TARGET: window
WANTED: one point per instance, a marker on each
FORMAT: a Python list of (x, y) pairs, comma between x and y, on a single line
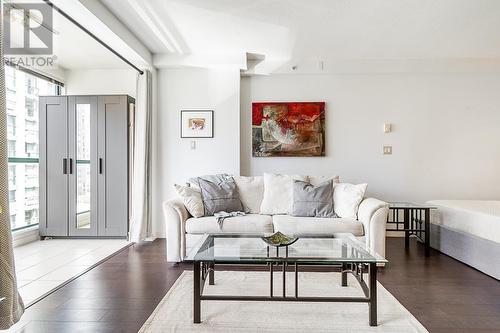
[(11, 126), (31, 176), (23, 143), (31, 125), (30, 107), (31, 149), (30, 85), (12, 176), (11, 147), (31, 197), (31, 216)]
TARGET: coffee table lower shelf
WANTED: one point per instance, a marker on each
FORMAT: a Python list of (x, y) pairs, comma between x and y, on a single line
[(206, 269)]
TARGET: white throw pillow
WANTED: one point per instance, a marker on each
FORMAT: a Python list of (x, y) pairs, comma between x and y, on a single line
[(191, 197), (251, 190), (278, 193), (346, 199), (316, 180)]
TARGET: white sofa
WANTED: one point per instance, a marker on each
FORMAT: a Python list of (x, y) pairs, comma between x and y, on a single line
[(183, 231)]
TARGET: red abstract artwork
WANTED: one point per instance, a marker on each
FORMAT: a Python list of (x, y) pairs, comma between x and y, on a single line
[(288, 129)]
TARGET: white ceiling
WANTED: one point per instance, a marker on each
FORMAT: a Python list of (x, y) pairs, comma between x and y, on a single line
[(75, 49), (72, 47), (295, 31)]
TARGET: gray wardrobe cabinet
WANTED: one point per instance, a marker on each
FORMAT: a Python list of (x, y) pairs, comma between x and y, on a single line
[(84, 165)]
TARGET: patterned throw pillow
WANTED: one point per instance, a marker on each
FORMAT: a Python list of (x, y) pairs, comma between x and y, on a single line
[(312, 201)]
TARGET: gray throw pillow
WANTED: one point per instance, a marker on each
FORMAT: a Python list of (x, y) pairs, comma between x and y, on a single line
[(313, 201), (195, 181), (220, 196)]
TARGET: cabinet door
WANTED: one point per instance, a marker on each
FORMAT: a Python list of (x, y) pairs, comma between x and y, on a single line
[(54, 166), (82, 165), (112, 144)]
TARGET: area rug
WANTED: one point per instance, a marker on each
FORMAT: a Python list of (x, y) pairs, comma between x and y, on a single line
[(175, 314)]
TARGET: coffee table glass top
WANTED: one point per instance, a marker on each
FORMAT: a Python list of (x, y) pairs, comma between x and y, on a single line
[(236, 249), (402, 205)]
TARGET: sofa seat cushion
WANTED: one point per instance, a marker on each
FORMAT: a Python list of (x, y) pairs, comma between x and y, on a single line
[(246, 224), (294, 225)]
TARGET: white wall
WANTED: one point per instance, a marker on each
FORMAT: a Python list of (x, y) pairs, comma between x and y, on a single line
[(101, 82), (446, 139), (173, 159)]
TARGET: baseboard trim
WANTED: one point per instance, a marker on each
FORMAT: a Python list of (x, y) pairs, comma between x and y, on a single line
[(25, 236)]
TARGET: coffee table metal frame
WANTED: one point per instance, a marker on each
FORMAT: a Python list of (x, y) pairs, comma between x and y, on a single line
[(416, 220), (203, 269)]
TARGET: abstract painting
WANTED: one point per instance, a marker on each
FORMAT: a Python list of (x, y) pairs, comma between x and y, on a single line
[(197, 124), (288, 129)]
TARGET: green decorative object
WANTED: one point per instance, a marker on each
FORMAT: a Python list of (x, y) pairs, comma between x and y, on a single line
[(278, 239)]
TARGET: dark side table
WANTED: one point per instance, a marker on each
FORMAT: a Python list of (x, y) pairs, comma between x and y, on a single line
[(413, 220)]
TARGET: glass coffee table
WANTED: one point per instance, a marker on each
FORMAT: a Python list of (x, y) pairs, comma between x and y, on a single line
[(342, 250)]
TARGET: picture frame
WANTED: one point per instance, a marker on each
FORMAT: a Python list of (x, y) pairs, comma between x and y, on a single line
[(197, 124), (282, 129)]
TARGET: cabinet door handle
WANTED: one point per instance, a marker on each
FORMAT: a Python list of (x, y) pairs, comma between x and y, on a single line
[(70, 166), (65, 166), (100, 166)]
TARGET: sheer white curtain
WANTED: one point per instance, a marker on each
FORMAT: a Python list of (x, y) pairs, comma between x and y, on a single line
[(11, 307), (140, 224)]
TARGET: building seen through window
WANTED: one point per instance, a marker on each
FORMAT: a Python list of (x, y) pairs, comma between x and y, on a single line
[(22, 92)]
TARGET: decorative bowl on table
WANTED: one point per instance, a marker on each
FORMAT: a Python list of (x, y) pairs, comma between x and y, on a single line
[(278, 239)]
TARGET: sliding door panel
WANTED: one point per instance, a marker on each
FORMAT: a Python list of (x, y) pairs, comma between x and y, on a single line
[(54, 166), (113, 166), (83, 166)]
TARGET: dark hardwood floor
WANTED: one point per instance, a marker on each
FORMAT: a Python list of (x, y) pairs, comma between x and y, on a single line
[(118, 296), (445, 295)]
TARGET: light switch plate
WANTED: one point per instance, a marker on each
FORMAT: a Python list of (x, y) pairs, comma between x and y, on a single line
[(387, 150), (387, 128), (193, 144)]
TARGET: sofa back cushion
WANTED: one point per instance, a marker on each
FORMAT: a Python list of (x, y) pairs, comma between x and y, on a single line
[(222, 196), (312, 201), (278, 193), (251, 190), (346, 199)]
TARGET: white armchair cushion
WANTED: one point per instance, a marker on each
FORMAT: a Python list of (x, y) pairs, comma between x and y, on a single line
[(278, 193), (251, 191), (346, 199)]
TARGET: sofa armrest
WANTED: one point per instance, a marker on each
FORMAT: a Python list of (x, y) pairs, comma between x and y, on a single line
[(175, 214), (373, 214)]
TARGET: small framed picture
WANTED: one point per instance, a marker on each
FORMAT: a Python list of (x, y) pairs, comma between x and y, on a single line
[(197, 124)]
